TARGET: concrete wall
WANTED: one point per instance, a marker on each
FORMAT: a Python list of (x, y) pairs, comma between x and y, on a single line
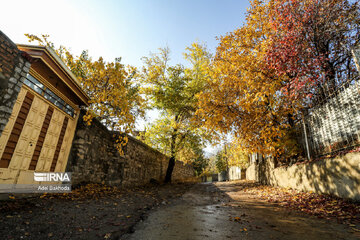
[(94, 158), (339, 176), (251, 173), (222, 176), (13, 70), (234, 173)]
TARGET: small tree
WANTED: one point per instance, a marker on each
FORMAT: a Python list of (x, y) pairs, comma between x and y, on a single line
[(221, 161)]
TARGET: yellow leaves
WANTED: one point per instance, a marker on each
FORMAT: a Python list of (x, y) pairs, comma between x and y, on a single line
[(115, 97), (107, 235), (88, 119), (242, 94), (43, 195)]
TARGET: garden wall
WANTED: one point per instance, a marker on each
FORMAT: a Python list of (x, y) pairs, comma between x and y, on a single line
[(338, 176)]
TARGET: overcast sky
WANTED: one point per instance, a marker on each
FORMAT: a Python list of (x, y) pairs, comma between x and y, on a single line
[(117, 28)]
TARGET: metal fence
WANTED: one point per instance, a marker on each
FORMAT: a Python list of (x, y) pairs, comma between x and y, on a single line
[(333, 124)]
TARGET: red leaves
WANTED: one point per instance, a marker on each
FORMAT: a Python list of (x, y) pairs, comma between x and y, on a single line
[(308, 45)]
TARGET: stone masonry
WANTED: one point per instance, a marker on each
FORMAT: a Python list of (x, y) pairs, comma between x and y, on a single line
[(13, 70), (94, 158)]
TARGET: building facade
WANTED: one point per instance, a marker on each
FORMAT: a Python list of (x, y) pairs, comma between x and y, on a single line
[(38, 133)]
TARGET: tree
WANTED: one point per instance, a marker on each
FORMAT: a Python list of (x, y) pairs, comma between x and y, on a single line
[(231, 155), (311, 45), (221, 162), (188, 148), (115, 98), (237, 156), (200, 164), (243, 96), (172, 90)]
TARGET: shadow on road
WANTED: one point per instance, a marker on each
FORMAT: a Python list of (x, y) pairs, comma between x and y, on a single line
[(224, 211)]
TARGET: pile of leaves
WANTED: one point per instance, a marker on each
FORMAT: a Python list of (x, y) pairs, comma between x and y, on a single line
[(322, 206)]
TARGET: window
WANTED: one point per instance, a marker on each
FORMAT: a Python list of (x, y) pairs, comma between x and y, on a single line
[(38, 87), (34, 84)]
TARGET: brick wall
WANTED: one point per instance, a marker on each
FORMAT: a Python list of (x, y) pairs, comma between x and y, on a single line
[(13, 69), (94, 158)]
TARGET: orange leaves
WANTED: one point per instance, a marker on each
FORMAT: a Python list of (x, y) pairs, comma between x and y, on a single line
[(243, 95)]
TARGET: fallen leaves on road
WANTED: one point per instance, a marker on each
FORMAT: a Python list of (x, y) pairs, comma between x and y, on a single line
[(88, 191), (92, 211), (322, 206)]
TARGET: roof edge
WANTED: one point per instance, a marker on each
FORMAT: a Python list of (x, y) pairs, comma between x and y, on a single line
[(58, 60)]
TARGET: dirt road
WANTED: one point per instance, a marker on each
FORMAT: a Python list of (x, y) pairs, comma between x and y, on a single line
[(221, 211)]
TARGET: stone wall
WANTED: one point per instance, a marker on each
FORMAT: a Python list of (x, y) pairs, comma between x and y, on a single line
[(181, 171), (94, 158), (13, 70), (338, 176)]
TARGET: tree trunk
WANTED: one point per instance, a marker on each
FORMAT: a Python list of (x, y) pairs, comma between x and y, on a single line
[(170, 169), (172, 156)]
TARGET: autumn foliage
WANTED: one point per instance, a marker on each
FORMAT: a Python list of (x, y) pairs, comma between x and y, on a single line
[(320, 205), (243, 95), (312, 45), (172, 90), (114, 95), (287, 56)]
